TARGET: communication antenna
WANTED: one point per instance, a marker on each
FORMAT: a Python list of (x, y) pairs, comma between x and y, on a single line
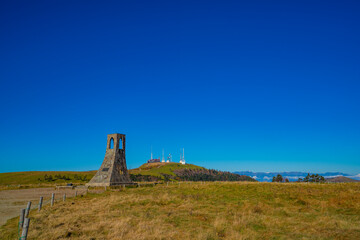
[(151, 153)]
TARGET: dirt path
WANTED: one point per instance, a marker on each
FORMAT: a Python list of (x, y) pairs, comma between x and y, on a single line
[(12, 201)]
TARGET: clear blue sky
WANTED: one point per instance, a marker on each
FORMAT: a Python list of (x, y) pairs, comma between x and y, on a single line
[(241, 85)]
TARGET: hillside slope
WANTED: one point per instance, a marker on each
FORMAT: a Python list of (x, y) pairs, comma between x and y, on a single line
[(146, 172), (180, 172), (159, 169), (341, 179)]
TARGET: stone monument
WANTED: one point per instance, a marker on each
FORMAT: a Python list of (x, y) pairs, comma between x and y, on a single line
[(113, 170)]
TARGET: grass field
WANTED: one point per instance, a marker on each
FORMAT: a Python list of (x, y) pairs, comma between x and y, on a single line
[(204, 211), (157, 169), (33, 179)]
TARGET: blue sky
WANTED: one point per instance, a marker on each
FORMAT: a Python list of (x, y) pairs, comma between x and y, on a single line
[(241, 85)]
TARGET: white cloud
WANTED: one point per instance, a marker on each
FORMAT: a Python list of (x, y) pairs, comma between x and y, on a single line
[(293, 177), (334, 176), (357, 176)]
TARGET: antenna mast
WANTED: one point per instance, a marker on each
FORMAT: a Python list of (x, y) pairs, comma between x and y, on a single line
[(151, 153)]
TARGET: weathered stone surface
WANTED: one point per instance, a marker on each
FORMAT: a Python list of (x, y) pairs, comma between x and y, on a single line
[(113, 170)]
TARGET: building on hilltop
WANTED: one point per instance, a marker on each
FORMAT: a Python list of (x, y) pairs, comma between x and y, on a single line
[(154, 160)]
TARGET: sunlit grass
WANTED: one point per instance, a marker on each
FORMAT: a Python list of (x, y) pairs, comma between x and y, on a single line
[(204, 211), (31, 179)]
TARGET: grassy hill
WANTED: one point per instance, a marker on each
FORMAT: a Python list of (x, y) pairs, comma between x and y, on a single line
[(341, 179), (42, 177), (146, 172), (158, 170)]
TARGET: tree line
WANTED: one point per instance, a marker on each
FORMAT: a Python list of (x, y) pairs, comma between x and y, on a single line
[(308, 178), (50, 178), (209, 175), (193, 175)]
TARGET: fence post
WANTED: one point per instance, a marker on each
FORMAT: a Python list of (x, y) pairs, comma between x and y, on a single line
[(105, 188), (40, 203), (27, 211), (25, 229), (52, 199), (64, 197), (22, 217), (167, 183), (75, 193)]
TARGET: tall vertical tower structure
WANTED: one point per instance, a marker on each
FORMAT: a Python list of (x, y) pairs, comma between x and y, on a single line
[(182, 158), (163, 157), (113, 170)]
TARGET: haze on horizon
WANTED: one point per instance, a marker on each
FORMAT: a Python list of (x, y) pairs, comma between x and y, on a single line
[(259, 86)]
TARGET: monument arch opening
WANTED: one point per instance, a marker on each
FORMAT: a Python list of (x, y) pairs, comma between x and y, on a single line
[(111, 145)]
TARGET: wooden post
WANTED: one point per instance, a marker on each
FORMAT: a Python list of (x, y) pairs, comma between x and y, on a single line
[(87, 190), (22, 217), (52, 199), (105, 188), (40, 203), (64, 197), (27, 211), (75, 193), (25, 229), (167, 183)]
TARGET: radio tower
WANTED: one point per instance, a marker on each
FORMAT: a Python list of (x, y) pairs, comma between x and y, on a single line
[(182, 158), (151, 157), (163, 158)]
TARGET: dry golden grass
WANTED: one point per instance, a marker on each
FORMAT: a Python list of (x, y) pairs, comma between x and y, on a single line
[(204, 211)]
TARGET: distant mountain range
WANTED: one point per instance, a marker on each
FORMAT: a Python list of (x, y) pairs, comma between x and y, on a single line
[(292, 176)]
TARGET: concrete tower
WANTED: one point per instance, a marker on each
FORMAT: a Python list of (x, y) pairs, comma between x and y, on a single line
[(113, 170)]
